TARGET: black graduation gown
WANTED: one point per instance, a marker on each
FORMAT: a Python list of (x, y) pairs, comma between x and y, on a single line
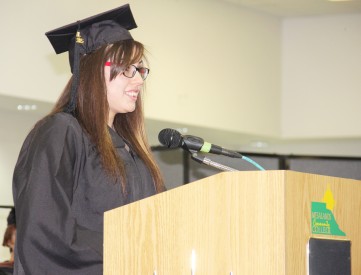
[(61, 192)]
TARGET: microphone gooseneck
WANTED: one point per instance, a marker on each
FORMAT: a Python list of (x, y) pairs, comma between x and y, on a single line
[(207, 161)]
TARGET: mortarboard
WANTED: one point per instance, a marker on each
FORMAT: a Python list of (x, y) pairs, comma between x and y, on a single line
[(89, 34)]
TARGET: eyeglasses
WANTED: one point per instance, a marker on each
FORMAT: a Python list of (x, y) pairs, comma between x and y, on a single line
[(132, 69)]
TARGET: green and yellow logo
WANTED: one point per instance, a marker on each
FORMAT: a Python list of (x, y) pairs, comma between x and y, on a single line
[(322, 218)]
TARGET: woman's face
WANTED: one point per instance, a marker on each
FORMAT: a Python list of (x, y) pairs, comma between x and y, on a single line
[(122, 92)]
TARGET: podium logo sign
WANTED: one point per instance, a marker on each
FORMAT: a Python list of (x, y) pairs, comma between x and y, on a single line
[(322, 219)]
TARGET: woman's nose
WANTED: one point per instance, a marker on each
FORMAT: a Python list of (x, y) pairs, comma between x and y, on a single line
[(138, 78)]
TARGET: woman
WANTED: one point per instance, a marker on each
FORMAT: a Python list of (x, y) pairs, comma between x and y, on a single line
[(74, 165)]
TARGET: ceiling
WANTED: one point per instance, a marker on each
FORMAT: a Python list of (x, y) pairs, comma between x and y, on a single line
[(295, 8)]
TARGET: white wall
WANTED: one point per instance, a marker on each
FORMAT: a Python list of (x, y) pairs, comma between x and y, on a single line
[(219, 62), (212, 67), (321, 73)]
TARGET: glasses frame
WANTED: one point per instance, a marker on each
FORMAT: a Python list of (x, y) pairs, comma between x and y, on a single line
[(108, 63)]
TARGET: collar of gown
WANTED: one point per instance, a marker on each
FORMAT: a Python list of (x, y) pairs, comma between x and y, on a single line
[(118, 142)]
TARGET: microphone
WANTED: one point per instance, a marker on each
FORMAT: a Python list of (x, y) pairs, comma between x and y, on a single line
[(172, 139)]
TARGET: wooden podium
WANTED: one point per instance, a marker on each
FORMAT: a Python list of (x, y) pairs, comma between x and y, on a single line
[(256, 222)]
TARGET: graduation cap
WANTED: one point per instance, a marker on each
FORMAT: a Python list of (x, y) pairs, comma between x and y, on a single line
[(89, 34)]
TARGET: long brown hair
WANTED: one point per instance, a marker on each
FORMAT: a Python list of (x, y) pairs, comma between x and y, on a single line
[(92, 109)]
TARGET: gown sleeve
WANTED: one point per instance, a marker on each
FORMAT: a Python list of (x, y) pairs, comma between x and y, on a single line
[(44, 179)]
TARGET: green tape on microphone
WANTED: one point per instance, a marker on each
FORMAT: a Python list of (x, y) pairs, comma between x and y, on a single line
[(206, 147)]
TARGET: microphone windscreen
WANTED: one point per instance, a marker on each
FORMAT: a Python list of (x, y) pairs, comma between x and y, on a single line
[(170, 138)]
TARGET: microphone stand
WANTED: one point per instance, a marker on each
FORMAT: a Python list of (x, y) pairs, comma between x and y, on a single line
[(209, 162)]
